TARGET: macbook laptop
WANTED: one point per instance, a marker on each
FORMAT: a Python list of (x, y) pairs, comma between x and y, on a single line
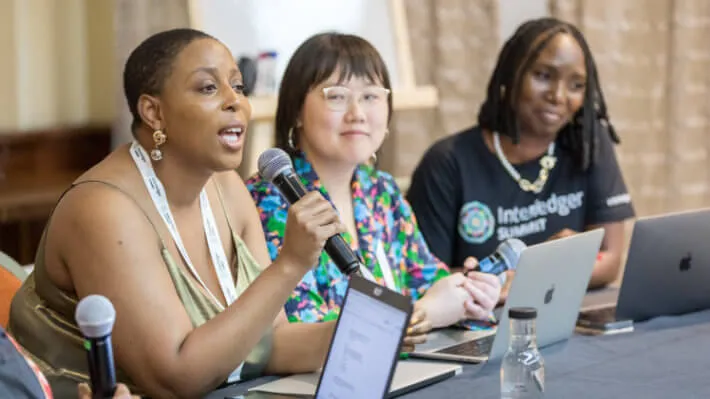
[(598, 314), (667, 270), (552, 277), (364, 352)]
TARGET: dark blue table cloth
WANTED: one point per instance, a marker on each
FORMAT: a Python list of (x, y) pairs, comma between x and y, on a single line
[(667, 357)]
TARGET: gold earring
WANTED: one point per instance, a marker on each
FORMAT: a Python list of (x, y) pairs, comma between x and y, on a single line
[(158, 139), (373, 159), (291, 144)]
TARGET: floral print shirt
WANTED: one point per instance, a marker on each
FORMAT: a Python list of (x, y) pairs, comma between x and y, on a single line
[(382, 218)]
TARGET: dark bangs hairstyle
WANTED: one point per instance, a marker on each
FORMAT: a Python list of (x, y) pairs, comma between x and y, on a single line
[(312, 63), (497, 113)]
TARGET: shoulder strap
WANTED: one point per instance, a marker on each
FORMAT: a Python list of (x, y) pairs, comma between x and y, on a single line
[(239, 247), (124, 192), (40, 251), (61, 301), (224, 207)]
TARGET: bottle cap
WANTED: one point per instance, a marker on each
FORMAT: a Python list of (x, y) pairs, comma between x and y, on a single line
[(522, 313)]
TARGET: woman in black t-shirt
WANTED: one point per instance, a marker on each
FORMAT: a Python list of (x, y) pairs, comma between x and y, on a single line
[(539, 165)]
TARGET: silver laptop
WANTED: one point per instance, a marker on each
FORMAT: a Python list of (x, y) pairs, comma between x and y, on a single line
[(362, 360), (552, 277), (667, 270)]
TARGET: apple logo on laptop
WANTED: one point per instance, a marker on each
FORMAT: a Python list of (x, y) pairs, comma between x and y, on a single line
[(684, 265), (548, 295)]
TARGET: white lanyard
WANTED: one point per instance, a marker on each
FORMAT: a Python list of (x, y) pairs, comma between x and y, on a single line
[(219, 259), (384, 264)]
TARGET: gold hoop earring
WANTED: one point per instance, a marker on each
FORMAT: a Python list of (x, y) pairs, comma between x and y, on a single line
[(373, 158), (159, 139), (291, 144)]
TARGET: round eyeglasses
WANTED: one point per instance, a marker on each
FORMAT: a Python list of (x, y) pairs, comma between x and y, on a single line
[(339, 98)]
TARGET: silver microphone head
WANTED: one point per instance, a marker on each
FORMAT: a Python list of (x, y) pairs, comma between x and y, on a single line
[(95, 316), (273, 162), (510, 251)]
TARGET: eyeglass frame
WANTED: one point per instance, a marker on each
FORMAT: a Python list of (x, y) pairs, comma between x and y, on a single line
[(325, 90)]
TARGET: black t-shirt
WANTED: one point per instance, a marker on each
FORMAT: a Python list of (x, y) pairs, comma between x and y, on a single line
[(466, 203)]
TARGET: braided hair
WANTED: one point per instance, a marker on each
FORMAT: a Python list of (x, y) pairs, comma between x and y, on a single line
[(497, 113)]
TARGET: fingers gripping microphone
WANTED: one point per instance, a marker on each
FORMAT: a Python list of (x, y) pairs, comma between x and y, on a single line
[(95, 316), (504, 258), (276, 167)]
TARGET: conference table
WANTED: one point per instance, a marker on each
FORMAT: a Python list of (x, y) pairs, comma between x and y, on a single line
[(665, 357)]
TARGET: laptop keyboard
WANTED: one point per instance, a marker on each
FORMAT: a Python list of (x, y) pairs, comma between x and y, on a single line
[(477, 347)]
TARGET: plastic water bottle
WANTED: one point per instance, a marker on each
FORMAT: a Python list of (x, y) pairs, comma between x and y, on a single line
[(266, 74), (522, 373)]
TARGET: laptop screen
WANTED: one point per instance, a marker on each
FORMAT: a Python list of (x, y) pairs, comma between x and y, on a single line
[(364, 348)]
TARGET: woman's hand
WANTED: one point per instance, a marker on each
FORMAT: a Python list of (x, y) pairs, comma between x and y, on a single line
[(455, 297), (564, 233), (311, 221), (485, 292), (486, 288), (419, 327), (122, 392)]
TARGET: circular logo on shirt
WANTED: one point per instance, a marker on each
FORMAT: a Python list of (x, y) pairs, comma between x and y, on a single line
[(476, 222)]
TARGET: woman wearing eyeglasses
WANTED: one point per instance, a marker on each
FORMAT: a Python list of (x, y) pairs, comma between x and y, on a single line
[(333, 111)]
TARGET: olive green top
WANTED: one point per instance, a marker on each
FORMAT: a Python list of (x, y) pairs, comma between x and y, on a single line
[(42, 316)]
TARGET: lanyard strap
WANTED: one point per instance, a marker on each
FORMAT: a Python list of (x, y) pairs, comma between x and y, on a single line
[(384, 264), (219, 259)]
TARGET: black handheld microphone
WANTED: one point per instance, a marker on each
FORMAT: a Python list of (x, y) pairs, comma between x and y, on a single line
[(276, 167), (95, 316), (504, 258)]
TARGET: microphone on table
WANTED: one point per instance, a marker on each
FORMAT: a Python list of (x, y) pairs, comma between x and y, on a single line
[(276, 167), (504, 258), (95, 316)]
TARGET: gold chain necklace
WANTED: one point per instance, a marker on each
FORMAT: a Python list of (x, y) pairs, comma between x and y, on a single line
[(547, 163)]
